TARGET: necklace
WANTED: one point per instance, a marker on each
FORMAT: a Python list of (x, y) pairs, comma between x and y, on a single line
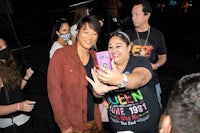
[(142, 52)]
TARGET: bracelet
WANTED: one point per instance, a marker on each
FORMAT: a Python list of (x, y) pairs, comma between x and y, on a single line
[(157, 65), (124, 82), (18, 106), (25, 79)]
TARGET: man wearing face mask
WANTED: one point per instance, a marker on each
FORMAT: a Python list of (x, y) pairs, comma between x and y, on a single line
[(60, 35)]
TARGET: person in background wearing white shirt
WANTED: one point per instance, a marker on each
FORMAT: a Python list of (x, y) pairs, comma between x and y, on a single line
[(60, 36)]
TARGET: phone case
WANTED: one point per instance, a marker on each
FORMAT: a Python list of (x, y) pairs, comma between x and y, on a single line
[(103, 59)]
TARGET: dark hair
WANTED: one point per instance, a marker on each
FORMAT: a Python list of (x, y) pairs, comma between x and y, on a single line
[(10, 62), (122, 35), (146, 6), (184, 105), (80, 12), (93, 23), (56, 27), (10, 77)]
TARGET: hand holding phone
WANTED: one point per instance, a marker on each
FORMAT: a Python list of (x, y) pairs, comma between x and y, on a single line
[(103, 59)]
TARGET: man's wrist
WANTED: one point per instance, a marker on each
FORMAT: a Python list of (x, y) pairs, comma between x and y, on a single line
[(157, 65)]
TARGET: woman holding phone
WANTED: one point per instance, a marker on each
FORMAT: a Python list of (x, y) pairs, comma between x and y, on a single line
[(127, 88)]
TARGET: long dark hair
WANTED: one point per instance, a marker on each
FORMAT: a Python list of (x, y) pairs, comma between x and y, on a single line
[(80, 12), (11, 77)]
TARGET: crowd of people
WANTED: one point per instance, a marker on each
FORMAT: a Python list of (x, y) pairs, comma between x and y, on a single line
[(77, 84)]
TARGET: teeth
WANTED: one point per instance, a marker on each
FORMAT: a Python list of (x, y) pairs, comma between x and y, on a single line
[(87, 41), (114, 55)]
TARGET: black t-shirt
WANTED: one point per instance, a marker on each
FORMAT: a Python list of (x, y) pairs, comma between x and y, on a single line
[(135, 110), (90, 99), (155, 45)]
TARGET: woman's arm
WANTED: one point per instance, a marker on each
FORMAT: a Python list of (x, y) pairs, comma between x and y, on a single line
[(28, 75), (25, 106), (139, 77), (7, 109)]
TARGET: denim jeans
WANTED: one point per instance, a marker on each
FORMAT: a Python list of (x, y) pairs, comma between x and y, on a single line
[(158, 93)]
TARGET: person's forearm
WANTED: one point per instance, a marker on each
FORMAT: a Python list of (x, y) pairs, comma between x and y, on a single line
[(25, 79), (160, 62), (7, 109), (138, 79)]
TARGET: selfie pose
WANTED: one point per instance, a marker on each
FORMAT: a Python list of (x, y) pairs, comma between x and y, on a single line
[(74, 106), (127, 89)]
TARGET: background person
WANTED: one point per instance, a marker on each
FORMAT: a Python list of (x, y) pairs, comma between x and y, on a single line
[(13, 104), (147, 41), (80, 12), (182, 112), (8, 59), (60, 35)]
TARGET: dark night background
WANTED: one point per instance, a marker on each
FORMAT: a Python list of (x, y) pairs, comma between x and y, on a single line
[(28, 30)]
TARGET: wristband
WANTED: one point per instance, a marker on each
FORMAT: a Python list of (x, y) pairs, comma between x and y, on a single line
[(124, 82), (157, 65), (18, 106), (25, 79)]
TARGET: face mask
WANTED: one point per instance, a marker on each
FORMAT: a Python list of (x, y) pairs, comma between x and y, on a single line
[(66, 37), (5, 53)]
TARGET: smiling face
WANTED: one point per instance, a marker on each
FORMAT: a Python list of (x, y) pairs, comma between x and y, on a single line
[(87, 37), (119, 50)]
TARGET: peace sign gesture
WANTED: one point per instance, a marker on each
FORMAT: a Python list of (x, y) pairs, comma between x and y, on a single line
[(98, 87)]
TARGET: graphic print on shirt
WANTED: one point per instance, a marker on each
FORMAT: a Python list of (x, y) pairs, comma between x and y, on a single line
[(127, 108), (141, 50)]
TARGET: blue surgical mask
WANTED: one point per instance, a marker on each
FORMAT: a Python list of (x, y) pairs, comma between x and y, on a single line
[(66, 37)]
